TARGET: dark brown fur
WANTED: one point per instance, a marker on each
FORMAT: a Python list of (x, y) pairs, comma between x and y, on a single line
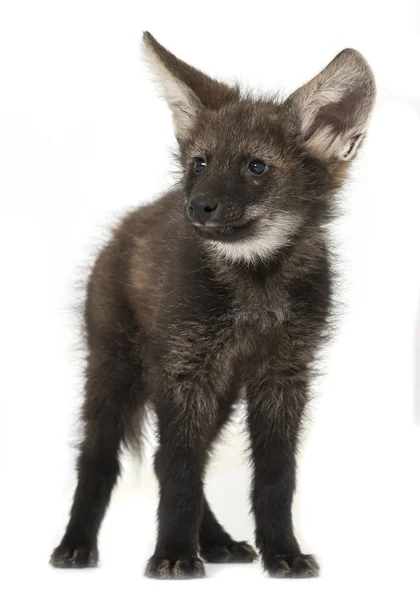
[(174, 323)]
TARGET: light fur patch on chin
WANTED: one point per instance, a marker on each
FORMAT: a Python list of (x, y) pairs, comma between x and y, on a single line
[(270, 235)]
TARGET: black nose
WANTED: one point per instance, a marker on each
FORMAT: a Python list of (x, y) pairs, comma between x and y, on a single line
[(202, 208)]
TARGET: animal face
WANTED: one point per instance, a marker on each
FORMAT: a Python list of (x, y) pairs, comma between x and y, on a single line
[(257, 171), (245, 188)]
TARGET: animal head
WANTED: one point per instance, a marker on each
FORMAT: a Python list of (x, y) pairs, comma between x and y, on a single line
[(256, 172)]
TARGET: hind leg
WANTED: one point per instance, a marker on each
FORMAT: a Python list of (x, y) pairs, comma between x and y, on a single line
[(110, 404), (216, 545)]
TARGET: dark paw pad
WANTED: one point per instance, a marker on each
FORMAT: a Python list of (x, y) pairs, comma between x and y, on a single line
[(186, 567), (236, 552), (74, 557), (303, 565)]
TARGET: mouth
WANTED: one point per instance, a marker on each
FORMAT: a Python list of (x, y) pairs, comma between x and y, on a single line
[(225, 232)]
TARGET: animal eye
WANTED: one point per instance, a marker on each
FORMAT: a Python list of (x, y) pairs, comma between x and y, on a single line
[(199, 164), (257, 167)]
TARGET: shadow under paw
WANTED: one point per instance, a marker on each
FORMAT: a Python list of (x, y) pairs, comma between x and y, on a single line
[(236, 552), (185, 567), (302, 565), (74, 557)]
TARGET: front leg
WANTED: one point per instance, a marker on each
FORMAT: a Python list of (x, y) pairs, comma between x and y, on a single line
[(186, 419), (275, 409)]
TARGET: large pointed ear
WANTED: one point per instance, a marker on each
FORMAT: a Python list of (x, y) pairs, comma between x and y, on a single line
[(185, 89), (332, 110)]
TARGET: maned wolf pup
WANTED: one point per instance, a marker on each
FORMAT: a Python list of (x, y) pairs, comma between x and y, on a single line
[(220, 287)]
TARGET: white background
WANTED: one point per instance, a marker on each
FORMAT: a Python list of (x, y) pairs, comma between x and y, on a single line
[(84, 136)]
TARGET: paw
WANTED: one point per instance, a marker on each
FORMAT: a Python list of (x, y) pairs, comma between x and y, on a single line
[(183, 567), (236, 552), (301, 565), (74, 557)]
